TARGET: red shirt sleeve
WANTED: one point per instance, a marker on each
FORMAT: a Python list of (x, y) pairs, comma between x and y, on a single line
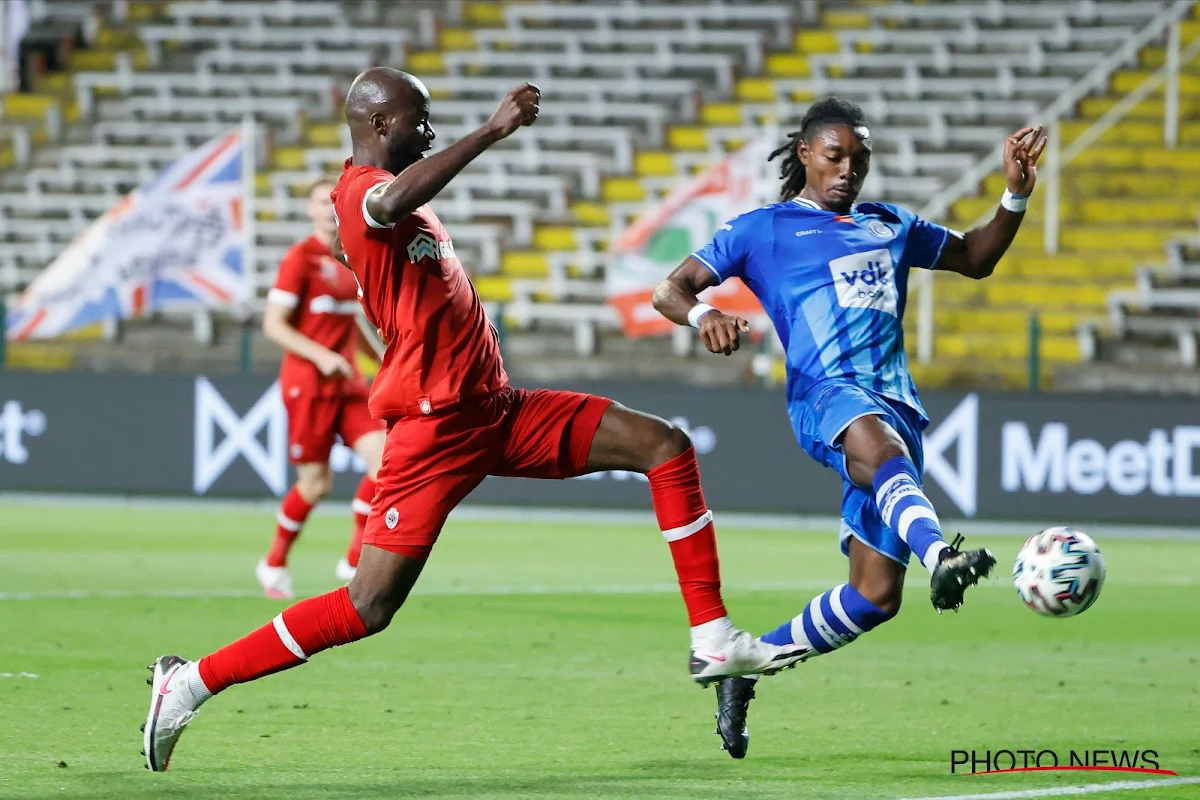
[(289, 285), (351, 205)]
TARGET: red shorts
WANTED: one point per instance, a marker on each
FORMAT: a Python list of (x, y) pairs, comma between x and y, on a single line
[(314, 421), (430, 463)]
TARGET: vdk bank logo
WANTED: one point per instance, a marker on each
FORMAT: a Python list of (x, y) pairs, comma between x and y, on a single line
[(15, 424), (269, 459)]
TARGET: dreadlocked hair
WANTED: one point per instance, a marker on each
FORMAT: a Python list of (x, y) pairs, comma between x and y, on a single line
[(820, 115)]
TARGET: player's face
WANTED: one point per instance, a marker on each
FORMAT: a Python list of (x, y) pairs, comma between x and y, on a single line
[(320, 210), (410, 134), (836, 162)]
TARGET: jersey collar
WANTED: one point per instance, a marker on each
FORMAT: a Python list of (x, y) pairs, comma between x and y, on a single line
[(806, 203)]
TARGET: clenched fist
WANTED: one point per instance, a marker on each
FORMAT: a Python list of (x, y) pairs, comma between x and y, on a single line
[(721, 333), (517, 109)]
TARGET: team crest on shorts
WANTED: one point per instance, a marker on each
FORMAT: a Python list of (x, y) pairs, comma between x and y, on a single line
[(296, 450), (391, 518), (880, 230)]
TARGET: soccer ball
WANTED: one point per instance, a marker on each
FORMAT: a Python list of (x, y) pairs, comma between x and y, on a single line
[(1059, 572)]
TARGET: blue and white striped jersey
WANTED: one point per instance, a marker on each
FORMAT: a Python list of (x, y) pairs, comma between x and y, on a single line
[(834, 285)]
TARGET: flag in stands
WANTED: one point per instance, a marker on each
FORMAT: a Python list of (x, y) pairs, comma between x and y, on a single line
[(174, 244), (681, 224)]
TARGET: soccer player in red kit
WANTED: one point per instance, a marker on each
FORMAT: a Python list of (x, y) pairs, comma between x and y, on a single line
[(452, 420), (311, 313)]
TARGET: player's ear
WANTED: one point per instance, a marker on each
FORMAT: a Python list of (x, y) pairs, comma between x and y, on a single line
[(379, 124), (802, 151)]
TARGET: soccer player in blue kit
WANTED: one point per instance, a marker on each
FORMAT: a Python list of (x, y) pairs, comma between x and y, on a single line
[(833, 276)]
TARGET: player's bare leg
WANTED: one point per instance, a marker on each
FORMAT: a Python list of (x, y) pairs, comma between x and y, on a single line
[(877, 458), (179, 687), (633, 441), (871, 598), (370, 447), (313, 483)]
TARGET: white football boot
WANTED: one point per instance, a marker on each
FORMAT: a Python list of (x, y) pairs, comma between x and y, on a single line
[(275, 581), (172, 706), (734, 652), (343, 571)]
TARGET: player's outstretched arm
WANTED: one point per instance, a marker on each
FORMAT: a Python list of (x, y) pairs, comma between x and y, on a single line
[(676, 298), (420, 183), (976, 254)]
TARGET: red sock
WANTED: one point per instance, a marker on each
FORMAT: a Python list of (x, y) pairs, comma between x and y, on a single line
[(293, 511), (361, 506), (300, 632), (687, 525)]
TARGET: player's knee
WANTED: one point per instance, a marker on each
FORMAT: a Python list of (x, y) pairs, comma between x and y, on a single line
[(672, 441), (316, 487), (885, 595), (375, 608)]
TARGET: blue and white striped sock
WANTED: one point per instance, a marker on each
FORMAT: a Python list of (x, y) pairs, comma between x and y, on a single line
[(830, 621), (905, 509)]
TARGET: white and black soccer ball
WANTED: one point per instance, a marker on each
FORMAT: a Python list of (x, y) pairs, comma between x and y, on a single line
[(1059, 572)]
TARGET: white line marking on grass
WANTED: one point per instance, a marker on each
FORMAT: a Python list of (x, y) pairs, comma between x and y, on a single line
[(431, 591), (1068, 791), (917, 583), (18, 675), (576, 516)]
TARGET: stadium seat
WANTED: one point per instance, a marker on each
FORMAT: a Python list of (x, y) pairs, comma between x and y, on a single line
[(638, 96)]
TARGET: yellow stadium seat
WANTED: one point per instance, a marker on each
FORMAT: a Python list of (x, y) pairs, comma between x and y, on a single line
[(687, 137), (493, 288), (554, 237), (845, 18), (524, 264), (654, 162), (788, 65), (721, 114), (816, 42), (289, 158), (483, 14), (755, 90), (623, 190), (457, 39), (427, 62), (587, 213)]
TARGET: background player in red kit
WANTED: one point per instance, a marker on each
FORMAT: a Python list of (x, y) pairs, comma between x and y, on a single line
[(311, 313), (453, 419)]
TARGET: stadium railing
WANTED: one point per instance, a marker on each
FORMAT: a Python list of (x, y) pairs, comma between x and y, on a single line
[(1096, 79)]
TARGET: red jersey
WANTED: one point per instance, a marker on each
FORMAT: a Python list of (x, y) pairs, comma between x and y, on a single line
[(440, 346), (323, 298)]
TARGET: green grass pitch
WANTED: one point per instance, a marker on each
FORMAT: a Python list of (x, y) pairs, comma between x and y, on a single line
[(549, 660)]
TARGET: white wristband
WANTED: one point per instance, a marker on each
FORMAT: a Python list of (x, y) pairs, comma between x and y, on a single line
[(1015, 203), (698, 311)]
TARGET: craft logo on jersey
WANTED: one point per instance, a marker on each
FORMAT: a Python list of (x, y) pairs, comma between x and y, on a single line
[(425, 245), (865, 280)]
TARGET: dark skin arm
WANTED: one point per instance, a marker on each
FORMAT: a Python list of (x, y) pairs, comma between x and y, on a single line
[(674, 298), (976, 254), (421, 182)]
